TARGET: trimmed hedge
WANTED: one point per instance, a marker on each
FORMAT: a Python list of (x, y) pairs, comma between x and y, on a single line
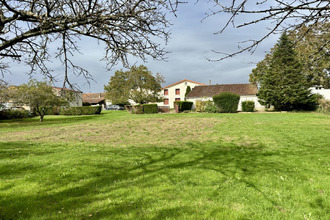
[(184, 105), (226, 102), (248, 106), (82, 110), (13, 114), (150, 108)]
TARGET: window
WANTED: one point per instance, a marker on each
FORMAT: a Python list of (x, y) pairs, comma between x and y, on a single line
[(177, 99), (177, 91), (166, 101), (165, 91)]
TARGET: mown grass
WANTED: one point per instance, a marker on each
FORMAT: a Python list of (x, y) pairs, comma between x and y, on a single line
[(171, 166)]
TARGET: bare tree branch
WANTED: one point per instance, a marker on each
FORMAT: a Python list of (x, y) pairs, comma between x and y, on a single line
[(284, 15), (28, 27)]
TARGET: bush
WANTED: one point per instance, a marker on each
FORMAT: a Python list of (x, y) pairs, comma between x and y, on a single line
[(82, 110), (226, 102), (150, 108), (210, 107), (53, 111), (248, 106), (183, 105), (324, 106), (137, 109), (13, 114), (201, 105)]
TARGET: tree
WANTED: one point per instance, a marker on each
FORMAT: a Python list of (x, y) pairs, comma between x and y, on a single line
[(40, 97), (4, 93), (137, 84), (315, 60), (279, 15), (187, 91), (28, 27), (283, 85)]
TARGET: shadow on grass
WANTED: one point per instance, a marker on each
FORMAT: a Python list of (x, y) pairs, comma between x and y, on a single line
[(137, 182)]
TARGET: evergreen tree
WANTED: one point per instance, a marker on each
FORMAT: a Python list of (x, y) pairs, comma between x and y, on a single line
[(188, 89), (284, 86)]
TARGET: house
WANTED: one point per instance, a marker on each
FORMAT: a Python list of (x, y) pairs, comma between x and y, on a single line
[(94, 99), (320, 90), (247, 92), (76, 98), (176, 92)]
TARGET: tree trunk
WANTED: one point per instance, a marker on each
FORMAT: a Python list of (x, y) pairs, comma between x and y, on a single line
[(41, 117)]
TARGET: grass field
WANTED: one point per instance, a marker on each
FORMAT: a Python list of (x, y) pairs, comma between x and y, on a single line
[(170, 166)]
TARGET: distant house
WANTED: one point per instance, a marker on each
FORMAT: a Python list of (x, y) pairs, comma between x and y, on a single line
[(247, 92), (176, 92), (77, 95), (94, 99), (320, 90)]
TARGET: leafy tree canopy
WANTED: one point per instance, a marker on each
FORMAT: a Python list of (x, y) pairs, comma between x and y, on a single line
[(283, 85), (137, 84), (40, 97)]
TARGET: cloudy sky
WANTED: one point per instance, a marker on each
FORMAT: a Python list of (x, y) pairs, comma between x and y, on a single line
[(191, 44)]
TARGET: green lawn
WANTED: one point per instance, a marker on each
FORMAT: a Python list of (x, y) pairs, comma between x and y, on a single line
[(169, 166)]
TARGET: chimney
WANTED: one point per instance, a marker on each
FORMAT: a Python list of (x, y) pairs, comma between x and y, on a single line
[(209, 82), (99, 95)]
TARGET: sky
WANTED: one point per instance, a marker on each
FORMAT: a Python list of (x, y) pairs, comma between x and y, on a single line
[(192, 42)]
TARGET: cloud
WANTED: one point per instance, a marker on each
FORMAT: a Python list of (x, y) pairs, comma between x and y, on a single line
[(191, 43)]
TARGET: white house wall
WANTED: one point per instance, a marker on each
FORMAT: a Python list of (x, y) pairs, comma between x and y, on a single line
[(253, 98), (171, 92), (324, 92)]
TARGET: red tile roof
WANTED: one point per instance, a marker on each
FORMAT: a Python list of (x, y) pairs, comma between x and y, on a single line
[(211, 90), (187, 80)]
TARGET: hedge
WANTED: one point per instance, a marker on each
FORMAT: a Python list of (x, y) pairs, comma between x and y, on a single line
[(150, 108), (82, 110), (13, 114), (183, 105), (226, 102), (248, 106)]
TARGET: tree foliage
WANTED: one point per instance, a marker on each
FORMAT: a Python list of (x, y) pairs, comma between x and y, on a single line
[(315, 60), (40, 97), (279, 16), (28, 27), (4, 93), (188, 89), (137, 84), (283, 85)]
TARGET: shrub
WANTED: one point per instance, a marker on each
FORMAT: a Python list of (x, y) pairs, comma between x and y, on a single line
[(150, 108), (226, 102), (324, 106), (248, 106), (13, 114), (82, 110), (210, 107), (200, 105), (137, 109), (183, 105), (53, 111)]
